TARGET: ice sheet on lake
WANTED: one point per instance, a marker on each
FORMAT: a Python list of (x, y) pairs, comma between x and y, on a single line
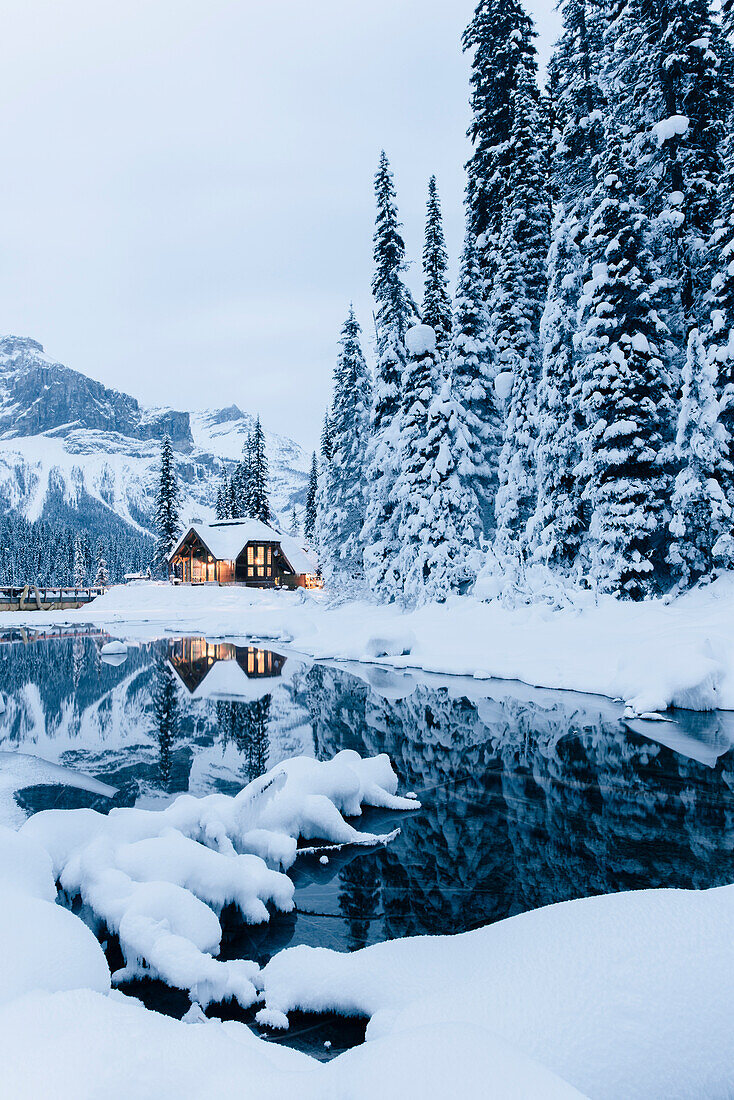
[(18, 770)]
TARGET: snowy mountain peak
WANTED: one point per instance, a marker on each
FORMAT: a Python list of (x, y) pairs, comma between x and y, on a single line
[(70, 444)]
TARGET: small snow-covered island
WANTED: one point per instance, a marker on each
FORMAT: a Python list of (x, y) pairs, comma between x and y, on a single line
[(369, 732)]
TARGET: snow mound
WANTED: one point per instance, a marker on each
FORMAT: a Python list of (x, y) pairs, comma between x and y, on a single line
[(114, 649), (621, 995), (398, 644), (503, 385), (668, 128), (420, 340), (113, 1047), (159, 879), (25, 866), (43, 946)]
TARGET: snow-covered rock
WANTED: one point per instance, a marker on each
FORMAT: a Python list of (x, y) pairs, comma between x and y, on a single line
[(112, 1047), (158, 879), (114, 651)]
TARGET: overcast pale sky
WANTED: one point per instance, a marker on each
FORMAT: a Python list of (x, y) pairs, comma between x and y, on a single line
[(186, 203)]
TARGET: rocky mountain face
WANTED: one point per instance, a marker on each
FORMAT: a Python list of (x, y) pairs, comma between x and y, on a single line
[(70, 445)]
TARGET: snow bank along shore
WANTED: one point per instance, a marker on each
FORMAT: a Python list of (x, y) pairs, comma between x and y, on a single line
[(652, 655), (623, 995)]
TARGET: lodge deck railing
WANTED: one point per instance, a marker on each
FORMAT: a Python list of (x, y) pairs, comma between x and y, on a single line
[(33, 597)]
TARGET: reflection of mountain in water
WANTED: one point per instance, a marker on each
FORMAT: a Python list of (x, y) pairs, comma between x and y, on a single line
[(180, 714), (528, 797)]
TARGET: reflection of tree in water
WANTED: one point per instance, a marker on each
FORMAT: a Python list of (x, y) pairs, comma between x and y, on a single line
[(525, 803), (246, 726), (77, 647), (359, 897), (166, 710)]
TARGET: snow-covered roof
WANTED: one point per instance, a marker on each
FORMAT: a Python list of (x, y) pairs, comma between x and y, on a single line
[(227, 539)]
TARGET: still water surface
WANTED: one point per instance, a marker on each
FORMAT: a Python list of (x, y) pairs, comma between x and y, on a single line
[(529, 797)]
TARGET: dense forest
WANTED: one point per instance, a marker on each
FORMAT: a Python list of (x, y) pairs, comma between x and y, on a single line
[(570, 410)]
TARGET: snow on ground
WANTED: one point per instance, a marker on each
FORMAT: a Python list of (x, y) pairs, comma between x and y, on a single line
[(158, 878), (652, 655), (625, 995), (94, 1046), (621, 995), (63, 1033), (42, 946)]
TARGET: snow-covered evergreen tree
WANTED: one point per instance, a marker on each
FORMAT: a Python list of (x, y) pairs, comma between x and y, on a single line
[(500, 38), (667, 75), (167, 519), (309, 522), (259, 503), (471, 370), (80, 566), (515, 307), (436, 298), (437, 510), (327, 442), (396, 311), (223, 497), (624, 390), (295, 526), (720, 330), (343, 515), (578, 102), (702, 516), (101, 577), (557, 523)]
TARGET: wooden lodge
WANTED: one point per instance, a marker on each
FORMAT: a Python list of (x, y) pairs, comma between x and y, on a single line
[(242, 551)]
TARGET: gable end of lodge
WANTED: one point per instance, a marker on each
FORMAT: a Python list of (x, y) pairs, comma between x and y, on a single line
[(246, 552)]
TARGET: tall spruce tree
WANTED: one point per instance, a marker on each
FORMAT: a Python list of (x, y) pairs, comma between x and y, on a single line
[(702, 516), (578, 103), (80, 566), (343, 518), (259, 504), (437, 510), (436, 298), (515, 306), (668, 78), (720, 329), (471, 370), (500, 38), (557, 524), (327, 442), (623, 390), (167, 505), (396, 311), (309, 522), (101, 576), (223, 497)]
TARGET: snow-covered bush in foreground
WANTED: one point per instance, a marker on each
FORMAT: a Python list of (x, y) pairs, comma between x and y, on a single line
[(158, 879)]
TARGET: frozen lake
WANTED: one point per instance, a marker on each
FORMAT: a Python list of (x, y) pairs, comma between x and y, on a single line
[(529, 797)]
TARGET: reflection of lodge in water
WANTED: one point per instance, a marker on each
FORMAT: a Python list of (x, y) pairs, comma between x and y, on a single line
[(194, 658)]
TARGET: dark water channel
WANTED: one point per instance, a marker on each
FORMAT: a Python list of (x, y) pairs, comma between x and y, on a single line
[(529, 797)]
